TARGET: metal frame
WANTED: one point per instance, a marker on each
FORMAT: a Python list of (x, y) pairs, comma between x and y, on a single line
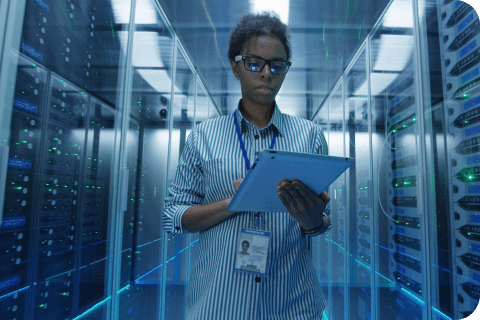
[(371, 195), (446, 125), (12, 13), (124, 103), (165, 235), (4, 5), (421, 186), (348, 272), (340, 83)]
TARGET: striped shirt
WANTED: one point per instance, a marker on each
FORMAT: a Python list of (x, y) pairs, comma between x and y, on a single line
[(211, 160)]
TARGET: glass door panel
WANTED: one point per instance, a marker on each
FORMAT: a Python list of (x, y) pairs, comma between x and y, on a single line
[(94, 226), (183, 122), (359, 182), (320, 245), (395, 133), (201, 114), (150, 114), (337, 206)]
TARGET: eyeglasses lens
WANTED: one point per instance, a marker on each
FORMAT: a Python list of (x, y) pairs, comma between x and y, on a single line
[(256, 65)]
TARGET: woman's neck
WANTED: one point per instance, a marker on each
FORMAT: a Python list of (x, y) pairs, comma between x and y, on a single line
[(257, 115)]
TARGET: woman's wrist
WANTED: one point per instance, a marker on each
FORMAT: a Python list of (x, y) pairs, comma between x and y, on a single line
[(318, 230), (314, 229)]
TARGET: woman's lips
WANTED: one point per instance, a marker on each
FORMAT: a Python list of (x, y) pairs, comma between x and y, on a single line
[(264, 88)]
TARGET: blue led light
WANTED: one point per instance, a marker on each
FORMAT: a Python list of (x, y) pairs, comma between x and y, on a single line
[(98, 305), (139, 246), (137, 281), (441, 314), (123, 289), (12, 293), (338, 245), (413, 297)]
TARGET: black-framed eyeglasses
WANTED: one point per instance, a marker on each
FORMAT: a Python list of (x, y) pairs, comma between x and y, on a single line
[(256, 64)]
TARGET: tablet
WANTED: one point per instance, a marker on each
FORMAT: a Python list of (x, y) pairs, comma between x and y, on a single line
[(258, 191)]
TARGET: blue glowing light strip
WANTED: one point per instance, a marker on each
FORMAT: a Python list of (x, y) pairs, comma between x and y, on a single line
[(139, 246), (12, 293), (441, 314), (136, 281), (98, 305), (60, 274), (140, 278), (123, 289), (413, 297)]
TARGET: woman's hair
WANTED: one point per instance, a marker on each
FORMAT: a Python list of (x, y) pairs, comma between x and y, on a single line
[(265, 23)]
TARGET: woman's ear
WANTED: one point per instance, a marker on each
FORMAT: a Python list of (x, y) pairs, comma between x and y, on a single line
[(234, 68)]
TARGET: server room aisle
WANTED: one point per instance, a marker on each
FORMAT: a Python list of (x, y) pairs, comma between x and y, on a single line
[(99, 97)]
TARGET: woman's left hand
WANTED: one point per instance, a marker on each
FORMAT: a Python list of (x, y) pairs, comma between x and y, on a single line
[(302, 204)]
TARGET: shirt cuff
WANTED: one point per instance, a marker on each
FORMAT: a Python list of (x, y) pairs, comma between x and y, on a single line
[(326, 213), (177, 227)]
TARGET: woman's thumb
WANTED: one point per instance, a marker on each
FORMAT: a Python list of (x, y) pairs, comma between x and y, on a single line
[(237, 183)]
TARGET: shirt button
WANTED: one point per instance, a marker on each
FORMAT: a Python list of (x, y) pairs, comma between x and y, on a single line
[(256, 136), (177, 228), (258, 279)]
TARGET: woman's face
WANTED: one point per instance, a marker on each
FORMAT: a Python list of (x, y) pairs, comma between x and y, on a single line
[(244, 247), (268, 48)]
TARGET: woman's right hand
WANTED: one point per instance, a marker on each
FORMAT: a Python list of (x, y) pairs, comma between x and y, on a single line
[(237, 183)]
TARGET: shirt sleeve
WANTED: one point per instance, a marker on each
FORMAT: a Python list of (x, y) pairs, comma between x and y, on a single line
[(322, 148), (187, 190)]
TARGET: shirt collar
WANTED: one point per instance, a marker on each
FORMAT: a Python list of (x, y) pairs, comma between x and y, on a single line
[(276, 120)]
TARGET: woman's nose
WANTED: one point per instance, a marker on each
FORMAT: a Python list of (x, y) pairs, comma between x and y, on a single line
[(266, 71)]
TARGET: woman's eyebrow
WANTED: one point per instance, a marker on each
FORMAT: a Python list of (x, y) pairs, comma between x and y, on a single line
[(276, 58)]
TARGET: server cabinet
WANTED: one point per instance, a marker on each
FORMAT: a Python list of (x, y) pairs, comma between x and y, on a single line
[(56, 229), (459, 27), (400, 260)]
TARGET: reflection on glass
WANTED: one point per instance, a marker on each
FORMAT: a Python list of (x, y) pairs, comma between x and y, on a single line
[(96, 197), (147, 156), (183, 122), (359, 193), (337, 205), (399, 278), (320, 245)]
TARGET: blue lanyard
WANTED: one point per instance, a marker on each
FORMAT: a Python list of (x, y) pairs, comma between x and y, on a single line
[(247, 162)]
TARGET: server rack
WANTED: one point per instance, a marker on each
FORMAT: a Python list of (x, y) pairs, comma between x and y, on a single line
[(55, 229), (459, 27)]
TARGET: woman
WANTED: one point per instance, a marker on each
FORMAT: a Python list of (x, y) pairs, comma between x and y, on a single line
[(245, 246), (217, 153)]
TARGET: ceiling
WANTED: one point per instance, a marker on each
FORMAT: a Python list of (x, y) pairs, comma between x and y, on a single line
[(325, 35)]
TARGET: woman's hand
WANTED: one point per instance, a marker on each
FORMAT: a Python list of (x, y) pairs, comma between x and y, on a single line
[(237, 183), (302, 204)]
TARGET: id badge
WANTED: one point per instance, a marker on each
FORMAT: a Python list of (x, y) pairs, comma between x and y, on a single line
[(252, 251)]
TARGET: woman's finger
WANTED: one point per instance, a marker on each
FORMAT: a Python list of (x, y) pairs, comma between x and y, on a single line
[(324, 197)]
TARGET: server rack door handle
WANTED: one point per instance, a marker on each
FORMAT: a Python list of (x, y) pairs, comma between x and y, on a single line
[(124, 191), (3, 177), (420, 207)]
